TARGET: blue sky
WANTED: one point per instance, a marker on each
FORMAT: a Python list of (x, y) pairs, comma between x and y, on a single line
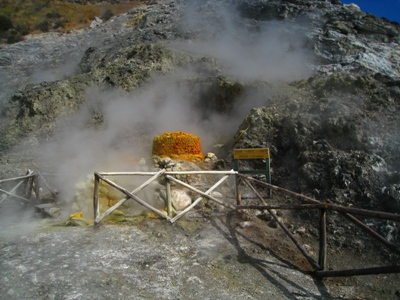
[(390, 9)]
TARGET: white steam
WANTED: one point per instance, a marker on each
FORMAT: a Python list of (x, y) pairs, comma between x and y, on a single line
[(128, 122), (251, 49), (53, 74)]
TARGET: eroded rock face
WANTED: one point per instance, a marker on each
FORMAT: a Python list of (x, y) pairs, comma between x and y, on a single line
[(324, 145), (332, 133), (355, 41)]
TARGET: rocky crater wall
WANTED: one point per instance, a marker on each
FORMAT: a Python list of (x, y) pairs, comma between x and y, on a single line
[(218, 69)]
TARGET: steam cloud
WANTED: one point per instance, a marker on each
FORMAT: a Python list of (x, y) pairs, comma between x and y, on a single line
[(130, 123), (267, 51), (250, 49), (60, 72)]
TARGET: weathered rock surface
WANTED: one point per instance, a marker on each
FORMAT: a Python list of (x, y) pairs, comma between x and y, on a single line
[(332, 127), (225, 258), (126, 57), (330, 138), (336, 131), (180, 200)]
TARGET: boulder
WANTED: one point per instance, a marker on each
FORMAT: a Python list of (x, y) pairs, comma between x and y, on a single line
[(180, 199)]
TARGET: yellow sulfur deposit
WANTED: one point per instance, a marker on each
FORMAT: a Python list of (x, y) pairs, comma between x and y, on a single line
[(77, 215), (108, 196), (178, 145), (152, 215)]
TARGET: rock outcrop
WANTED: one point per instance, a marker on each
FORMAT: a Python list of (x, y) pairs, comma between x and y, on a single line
[(332, 128), (318, 82)]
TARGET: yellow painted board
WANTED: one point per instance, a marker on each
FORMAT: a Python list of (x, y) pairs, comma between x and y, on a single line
[(252, 153)]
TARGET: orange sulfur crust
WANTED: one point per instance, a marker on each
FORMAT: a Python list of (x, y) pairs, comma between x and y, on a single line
[(178, 145)]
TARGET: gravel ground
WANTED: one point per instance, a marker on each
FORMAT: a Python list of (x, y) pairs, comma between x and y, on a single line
[(151, 260), (222, 257)]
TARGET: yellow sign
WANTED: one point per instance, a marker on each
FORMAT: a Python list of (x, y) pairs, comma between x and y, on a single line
[(253, 153)]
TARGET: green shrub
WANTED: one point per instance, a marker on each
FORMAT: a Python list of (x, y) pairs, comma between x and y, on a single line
[(5, 23), (43, 26), (38, 7), (23, 29), (107, 15), (58, 24), (14, 37), (53, 15)]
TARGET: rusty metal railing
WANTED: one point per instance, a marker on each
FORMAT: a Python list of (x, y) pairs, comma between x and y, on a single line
[(320, 266)]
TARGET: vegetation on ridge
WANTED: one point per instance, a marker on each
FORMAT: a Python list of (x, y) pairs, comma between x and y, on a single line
[(23, 17)]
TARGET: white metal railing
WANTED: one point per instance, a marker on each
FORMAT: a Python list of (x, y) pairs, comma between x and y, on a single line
[(28, 183), (98, 176)]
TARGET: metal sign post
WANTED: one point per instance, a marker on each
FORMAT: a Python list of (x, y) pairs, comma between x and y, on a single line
[(252, 153)]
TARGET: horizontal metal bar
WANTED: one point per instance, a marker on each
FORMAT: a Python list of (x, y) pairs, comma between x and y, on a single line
[(231, 172), (200, 192), (282, 190), (17, 178), (356, 272), (364, 212), (253, 171), (126, 173), (282, 206)]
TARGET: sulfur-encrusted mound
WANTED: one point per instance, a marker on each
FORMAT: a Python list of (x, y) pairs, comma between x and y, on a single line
[(178, 145)]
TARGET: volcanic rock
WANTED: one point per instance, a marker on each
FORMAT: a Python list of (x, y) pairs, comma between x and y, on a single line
[(317, 82), (333, 134), (180, 200)]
